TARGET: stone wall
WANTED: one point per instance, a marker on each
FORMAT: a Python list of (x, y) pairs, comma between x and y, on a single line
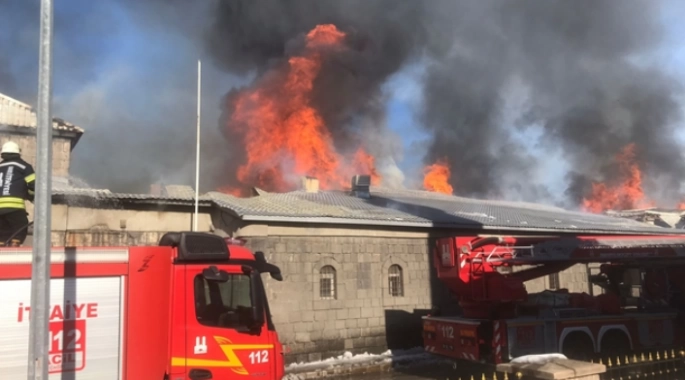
[(362, 314), (81, 226), (61, 151), (575, 279)]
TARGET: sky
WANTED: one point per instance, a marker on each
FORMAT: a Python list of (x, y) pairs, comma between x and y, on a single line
[(130, 81), (404, 91)]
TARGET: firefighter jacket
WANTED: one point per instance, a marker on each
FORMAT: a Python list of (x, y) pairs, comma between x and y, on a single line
[(17, 183)]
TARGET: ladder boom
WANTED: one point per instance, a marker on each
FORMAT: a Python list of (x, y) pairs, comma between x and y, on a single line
[(468, 266)]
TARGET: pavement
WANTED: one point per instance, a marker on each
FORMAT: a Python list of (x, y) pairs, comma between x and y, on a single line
[(409, 365), (431, 371)]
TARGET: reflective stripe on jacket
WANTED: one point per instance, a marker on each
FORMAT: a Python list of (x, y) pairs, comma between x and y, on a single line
[(17, 183)]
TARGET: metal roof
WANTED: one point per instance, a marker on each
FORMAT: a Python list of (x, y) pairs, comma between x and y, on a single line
[(406, 208), (65, 192), (388, 208)]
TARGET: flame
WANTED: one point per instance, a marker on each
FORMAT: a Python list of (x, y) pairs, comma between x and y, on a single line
[(681, 206), (628, 194), (236, 192), (436, 177), (284, 136)]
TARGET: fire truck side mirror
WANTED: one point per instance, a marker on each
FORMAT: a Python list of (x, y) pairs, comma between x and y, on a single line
[(263, 266), (257, 309)]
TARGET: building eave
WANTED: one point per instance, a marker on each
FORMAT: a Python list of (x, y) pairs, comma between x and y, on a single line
[(445, 226), (19, 117), (72, 135)]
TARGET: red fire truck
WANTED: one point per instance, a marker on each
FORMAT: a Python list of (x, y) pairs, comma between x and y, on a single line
[(193, 307), (501, 321)]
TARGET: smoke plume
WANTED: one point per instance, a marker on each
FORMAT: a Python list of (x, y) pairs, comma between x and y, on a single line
[(249, 36), (586, 91), (576, 69), (125, 71)]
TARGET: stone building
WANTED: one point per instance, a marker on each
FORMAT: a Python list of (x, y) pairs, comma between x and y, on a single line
[(357, 265), (18, 122)]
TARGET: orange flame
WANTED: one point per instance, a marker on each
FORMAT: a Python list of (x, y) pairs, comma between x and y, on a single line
[(681, 206), (436, 177), (284, 136), (628, 194), (231, 191)]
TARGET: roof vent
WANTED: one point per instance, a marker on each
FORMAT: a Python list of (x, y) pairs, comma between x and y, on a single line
[(310, 184), (361, 185)]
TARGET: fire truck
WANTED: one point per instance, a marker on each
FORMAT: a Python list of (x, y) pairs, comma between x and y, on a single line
[(500, 321), (193, 307)]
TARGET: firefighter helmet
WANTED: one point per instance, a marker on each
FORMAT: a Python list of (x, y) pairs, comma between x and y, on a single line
[(10, 147)]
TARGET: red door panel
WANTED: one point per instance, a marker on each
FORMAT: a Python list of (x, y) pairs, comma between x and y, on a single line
[(219, 337)]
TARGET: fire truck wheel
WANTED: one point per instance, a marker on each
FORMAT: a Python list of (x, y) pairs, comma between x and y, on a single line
[(578, 346)]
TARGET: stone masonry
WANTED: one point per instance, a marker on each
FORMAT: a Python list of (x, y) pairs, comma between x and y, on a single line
[(363, 316), (363, 311), (61, 151), (575, 279)]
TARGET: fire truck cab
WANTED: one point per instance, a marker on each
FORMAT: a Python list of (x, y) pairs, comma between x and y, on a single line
[(194, 307), (501, 321)]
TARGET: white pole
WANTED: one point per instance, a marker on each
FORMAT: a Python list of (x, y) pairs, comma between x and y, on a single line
[(197, 147), (42, 216)]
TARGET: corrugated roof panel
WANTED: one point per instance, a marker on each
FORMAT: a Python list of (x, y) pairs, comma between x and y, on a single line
[(180, 191), (388, 208), (417, 207)]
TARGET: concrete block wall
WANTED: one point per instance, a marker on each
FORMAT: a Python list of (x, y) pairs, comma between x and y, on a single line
[(575, 279), (80, 226), (364, 316), (61, 151)]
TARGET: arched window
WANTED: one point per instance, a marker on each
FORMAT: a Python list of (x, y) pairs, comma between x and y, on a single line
[(395, 281), (327, 282)]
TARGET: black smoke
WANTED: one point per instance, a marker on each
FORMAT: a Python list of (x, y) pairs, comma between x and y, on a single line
[(578, 66), (576, 60), (586, 91), (252, 37), (125, 71)]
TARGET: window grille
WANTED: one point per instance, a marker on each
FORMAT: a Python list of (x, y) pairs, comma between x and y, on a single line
[(554, 281), (327, 283), (395, 281)]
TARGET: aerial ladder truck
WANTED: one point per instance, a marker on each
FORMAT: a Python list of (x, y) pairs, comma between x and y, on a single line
[(500, 320)]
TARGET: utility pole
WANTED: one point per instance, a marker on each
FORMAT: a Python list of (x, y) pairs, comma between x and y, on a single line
[(197, 145), (40, 275)]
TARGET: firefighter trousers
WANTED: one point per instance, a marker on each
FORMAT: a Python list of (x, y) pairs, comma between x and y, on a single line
[(11, 222)]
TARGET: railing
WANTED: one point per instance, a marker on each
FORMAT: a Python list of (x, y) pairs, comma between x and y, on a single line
[(666, 365), (657, 365)]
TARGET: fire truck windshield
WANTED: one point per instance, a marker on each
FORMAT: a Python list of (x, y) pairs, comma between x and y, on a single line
[(225, 304)]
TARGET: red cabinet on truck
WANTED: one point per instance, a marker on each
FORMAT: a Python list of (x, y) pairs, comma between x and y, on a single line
[(194, 307)]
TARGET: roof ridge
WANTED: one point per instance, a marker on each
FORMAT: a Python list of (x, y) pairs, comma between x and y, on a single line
[(14, 113), (18, 102)]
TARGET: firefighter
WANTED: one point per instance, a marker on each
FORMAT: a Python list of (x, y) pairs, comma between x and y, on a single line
[(17, 184)]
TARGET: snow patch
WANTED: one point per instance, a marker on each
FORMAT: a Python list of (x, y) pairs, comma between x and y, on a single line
[(475, 214), (537, 359), (405, 357)]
